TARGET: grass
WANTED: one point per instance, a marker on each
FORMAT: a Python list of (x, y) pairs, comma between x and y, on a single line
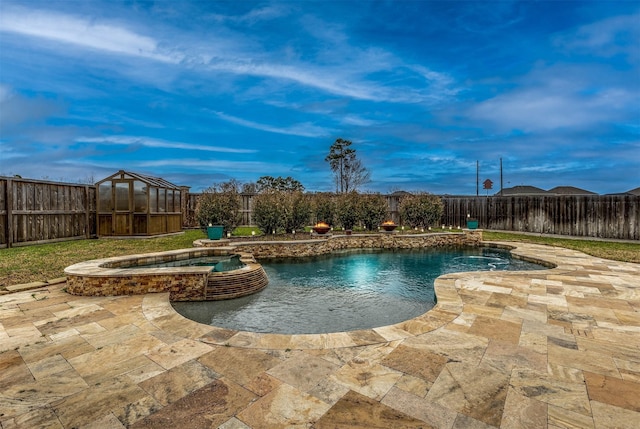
[(48, 261), (618, 251), (245, 231)]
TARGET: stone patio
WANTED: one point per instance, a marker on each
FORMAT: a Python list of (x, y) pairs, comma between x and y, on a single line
[(557, 348)]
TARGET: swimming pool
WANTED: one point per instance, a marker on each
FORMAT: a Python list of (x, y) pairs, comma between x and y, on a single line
[(347, 290)]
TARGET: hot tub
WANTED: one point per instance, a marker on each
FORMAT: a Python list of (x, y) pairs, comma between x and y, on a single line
[(187, 274)]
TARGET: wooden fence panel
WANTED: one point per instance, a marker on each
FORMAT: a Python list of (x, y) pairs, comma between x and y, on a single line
[(189, 214), (4, 224), (604, 216), (34, 211)]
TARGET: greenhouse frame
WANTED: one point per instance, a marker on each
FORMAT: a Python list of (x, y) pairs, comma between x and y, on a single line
[(133, 204)]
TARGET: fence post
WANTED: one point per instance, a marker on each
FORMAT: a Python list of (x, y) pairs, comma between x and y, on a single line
[(9, 202), (87, 206)]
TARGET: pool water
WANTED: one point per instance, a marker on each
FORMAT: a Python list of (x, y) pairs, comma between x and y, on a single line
[(350, 290), (219, 263)]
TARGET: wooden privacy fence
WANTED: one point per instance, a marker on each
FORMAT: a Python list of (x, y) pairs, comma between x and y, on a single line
[(603, 216), (35, 211)]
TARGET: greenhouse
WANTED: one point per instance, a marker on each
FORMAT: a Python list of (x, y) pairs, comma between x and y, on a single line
[(136, 204)]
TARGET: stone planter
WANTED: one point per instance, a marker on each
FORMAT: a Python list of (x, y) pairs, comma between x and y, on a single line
[(388, 225)]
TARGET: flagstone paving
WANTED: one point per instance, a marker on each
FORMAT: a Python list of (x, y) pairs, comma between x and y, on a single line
[(556, 348)]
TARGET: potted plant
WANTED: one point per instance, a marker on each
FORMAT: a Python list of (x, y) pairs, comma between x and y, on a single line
[(214, 232), (472, 223), (218, 210)]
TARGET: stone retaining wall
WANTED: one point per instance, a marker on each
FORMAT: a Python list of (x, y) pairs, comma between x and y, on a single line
[(302, 248), (181, 286)]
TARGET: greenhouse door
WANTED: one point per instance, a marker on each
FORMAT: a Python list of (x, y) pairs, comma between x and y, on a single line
[(122, 216)]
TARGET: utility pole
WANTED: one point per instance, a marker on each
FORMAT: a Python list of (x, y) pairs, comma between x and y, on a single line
[(501, 182), (477, 178)]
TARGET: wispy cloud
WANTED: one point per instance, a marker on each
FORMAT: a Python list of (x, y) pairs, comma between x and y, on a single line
[(302, 130), (608, 37), (212, 165), (264, 13), (155, 143), (214, 54), (555, 98), (357, 120), (83, 32), (19, 110), (114, 38), (333, 81), (554, 167)]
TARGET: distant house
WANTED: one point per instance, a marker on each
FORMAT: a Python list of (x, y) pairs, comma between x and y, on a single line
[(532, 190), (569, 190), (400, 193), (635, 191), (522, 190)]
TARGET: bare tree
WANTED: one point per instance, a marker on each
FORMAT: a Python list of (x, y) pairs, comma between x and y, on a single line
[(348, 171)]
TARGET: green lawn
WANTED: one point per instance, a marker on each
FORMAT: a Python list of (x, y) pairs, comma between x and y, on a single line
[(618, 251), (47, 261)]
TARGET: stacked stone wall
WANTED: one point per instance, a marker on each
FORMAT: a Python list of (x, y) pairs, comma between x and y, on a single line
[(183, 286), (303, 248)]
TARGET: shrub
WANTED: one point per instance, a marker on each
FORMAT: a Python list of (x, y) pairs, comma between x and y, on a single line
[(268, 211), (277, 210), (324, 208), (372, 210), (347, 209), (297, 210), (220, 205), (421, 210)]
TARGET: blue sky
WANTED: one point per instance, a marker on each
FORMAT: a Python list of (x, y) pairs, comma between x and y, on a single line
[(201, 92)]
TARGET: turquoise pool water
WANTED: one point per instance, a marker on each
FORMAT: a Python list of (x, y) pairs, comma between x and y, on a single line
[(218, 263), (355, 289)]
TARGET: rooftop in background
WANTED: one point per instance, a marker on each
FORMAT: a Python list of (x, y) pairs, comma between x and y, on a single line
[(635, 191), (569, 190), (522, 190), (558, 190)]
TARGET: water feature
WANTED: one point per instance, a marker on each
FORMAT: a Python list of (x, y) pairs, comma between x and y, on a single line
[(349, 290)]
